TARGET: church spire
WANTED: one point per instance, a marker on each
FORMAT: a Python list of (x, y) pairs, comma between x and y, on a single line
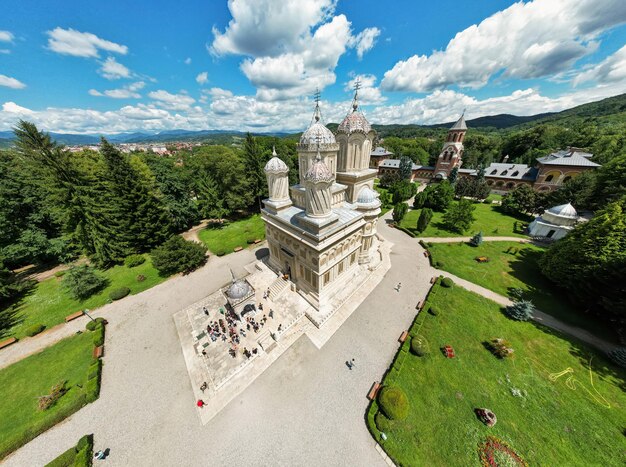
[(317, 114), (355, 101)]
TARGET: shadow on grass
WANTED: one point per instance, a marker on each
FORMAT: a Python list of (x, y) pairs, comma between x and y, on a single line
[(10, 314)]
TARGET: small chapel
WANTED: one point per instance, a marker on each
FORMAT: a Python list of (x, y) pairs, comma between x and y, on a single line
[(321, 232)]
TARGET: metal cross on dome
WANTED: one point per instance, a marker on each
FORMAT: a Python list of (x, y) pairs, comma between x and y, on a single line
[(355, 101), (317, 115)]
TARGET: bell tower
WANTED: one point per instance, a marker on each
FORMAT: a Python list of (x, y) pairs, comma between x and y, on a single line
[(451, 155)]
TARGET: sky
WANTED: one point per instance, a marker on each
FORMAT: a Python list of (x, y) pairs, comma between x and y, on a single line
[(88, 66)]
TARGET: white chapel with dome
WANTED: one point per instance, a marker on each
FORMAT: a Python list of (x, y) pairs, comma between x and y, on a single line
[(321, 232)]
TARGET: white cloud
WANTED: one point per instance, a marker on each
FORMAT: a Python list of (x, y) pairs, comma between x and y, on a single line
[(11, 82), (112, 69), (526, 40), (293, 46), (81, 44), (126, 92), (202, 78), (368, 92), (611, 69), (181, 101), (188, 61), (6, 36), (365, 41)]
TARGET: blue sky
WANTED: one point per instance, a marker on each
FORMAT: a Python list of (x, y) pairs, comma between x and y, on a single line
[(105, 67)]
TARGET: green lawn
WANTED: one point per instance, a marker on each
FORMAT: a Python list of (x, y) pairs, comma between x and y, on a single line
[(49, 303), (233, 234), (505, 271), (489, 220), (561, 417), (23, 382)]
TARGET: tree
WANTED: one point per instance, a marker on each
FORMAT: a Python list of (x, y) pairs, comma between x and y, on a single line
[(611, 180), (459, 217), (402, 190), (477, 239), (399, 211), (454, 173), (521, 200), (423, 220), (405, 168), (590, 263), (253, 167), (10, 286), (419, 200), (210, 202), (389, 178), (83, 281), (580, 191), (439, 196), (178, 255), (521, 310)]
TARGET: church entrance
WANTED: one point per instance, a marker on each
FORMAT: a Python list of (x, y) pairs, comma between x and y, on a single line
[(289, 264), (551, 233)]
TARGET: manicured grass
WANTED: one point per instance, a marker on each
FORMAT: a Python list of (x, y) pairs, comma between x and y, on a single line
[(23, 382), (49, 303), (505, 271), (489, 220), (562, 417), (233, 234)]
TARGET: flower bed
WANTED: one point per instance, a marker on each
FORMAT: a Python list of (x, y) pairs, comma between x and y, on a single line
[(496, 453)]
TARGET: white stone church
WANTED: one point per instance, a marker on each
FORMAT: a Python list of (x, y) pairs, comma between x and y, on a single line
[(321, 233)]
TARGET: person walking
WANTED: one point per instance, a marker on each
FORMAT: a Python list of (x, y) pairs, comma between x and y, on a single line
[(200, 403), (352, 363)]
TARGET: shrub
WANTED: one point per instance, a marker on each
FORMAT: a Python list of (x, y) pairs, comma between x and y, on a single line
[(393, 402), (516, 293), (520, 311), (92, 389), (447, 282), (399, 211), (83, 281), (47, 401), (86, 442), (250, 241), (220, 253), (98, 339), (439, 264), (119, 293), (418, 346), (132, 261), (92, 325), (424, 218), (500, 348), (477, 239), (34, 329), (433, 311), (382, 422), (618, 356), (59, 273), (141, 278), (178, 255)]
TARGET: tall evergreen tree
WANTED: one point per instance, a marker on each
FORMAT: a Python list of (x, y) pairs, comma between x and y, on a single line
[(253, 166), (425, 217), (454, 173), (210, 202), (405, 168)]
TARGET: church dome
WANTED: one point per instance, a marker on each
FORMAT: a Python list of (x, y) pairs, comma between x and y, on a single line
[(275, 165), (367, 196), (317, 133), (564, 210), (318, 172), (238, 289), (354, 121)]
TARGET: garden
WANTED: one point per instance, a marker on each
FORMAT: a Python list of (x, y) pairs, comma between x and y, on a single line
[(48, 302), (489, 220), (225, 237), (40, 391), (510, 266), (551, 401)]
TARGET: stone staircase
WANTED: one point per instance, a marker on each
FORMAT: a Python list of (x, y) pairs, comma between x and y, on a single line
[(277, 287)]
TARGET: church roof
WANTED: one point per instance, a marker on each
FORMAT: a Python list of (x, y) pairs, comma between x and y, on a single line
[(569, 157), (564, 210), (460, 124), (317, 133), (275, 165), (238, 289), (367, 196), (355, 120)]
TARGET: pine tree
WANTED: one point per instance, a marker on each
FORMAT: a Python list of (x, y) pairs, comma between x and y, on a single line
[(423, 220), (210, 202), (405, 168), (477, 239), (522, 310), (454, 173), (399, 211), (253, 167)]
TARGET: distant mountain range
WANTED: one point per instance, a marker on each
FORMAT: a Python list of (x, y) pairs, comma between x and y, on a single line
[(610, 108)]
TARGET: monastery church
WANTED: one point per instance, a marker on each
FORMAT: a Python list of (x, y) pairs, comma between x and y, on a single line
[(321, 232)]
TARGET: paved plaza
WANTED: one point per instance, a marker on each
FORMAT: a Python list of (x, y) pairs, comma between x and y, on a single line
[(306, 408)]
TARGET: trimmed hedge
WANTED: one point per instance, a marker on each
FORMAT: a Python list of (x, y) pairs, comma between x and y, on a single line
[(34, 329), (77, 456), (394, 403), (220, 253), (405, 230), (119, 293), (418, 347), (447, 282), (132, 261), (382, 422), (433, 311), (92, 325)]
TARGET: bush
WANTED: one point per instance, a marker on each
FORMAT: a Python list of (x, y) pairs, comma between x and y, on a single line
[(119, 293), (382, 422), (422, 222), (477, 239), (92, 325), (92, 389), (83, 281), (250, 241), (447, 282), (520, 311), (59, 273), (220, 253), (132, 261), (393, 402), (178, 255), (98, 338), (439, 264), (433, 311), (34, 329), (56, 392), (141, 278), (418, 346), (399, 211), (500, 348)]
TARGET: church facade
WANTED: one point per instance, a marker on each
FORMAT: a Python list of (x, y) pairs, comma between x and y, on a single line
[(321, 232)]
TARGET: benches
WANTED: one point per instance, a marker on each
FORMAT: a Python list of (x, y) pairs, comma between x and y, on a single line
[(418, 306), (73, 316), (432, 280), (7, 342), (257, 241), (374, 391), (426, 253), (98, 351), (237, 248), (403, 337)]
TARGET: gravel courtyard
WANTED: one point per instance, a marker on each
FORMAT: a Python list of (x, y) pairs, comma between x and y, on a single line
[(306, 409)]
